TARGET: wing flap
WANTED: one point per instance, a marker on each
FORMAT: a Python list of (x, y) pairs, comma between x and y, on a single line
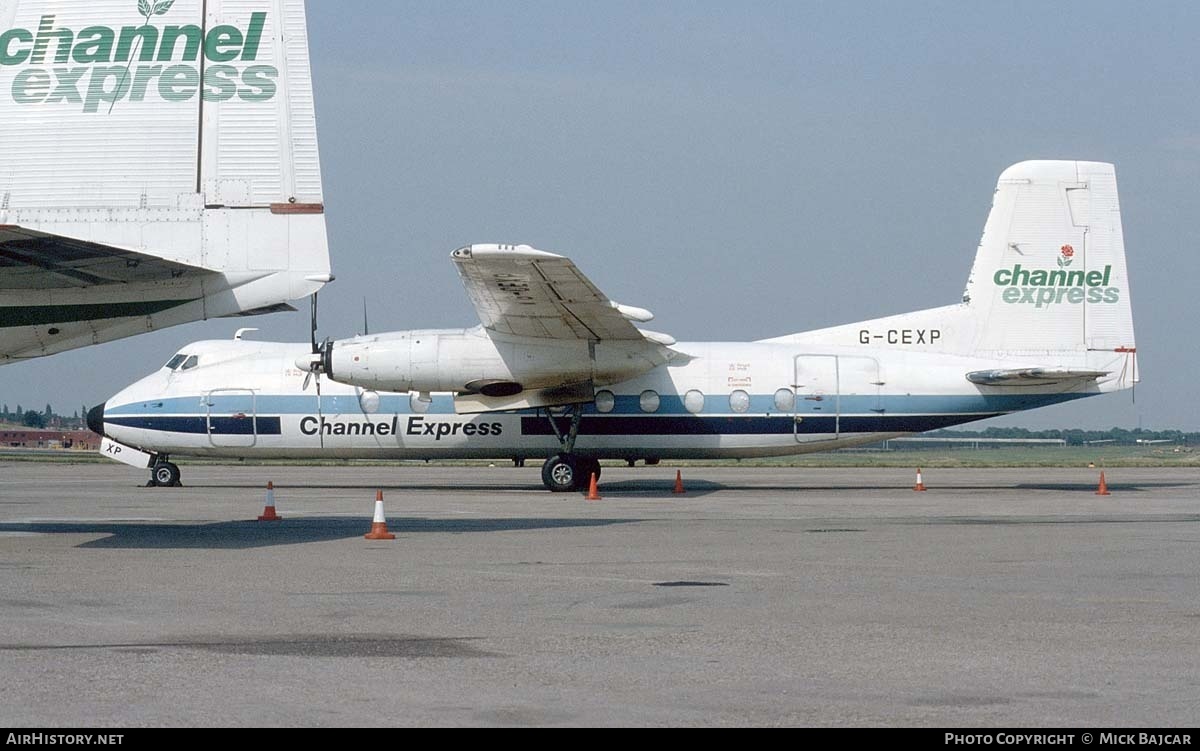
[(1032, 376), (34, 260)]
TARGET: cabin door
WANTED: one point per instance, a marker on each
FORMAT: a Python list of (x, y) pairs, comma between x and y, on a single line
[(232, 418)]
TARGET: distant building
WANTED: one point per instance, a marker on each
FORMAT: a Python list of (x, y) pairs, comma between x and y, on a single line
[(28, 438)]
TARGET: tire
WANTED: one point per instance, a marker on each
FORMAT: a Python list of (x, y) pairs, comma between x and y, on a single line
[(165, 475), (560, 473)]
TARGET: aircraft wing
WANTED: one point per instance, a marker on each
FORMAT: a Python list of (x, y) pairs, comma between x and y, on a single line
[(34, 260), (522, 291), (1032, 376)]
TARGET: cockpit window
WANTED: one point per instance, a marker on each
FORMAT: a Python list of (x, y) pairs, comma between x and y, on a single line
[(189, 363), (175, 361)]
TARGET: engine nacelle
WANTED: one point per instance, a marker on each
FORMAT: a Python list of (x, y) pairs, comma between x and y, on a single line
[(472, 361)]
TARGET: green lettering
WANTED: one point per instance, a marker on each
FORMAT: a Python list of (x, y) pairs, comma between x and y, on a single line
[(178, 83), (1075, 279), (7, 56), (261, 82), (141, 80), (45, 33), (31, 86), (220, 83), (97, 90), (93, 45), (1058, 278), (1107, 271), (223, 44), (1075, 296), (1002, 277), (254, 35), (146, 35), (1038, 278), (191, 35)]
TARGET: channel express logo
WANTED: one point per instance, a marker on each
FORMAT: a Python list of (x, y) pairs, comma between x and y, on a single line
[(97, 66), (1045, 287)]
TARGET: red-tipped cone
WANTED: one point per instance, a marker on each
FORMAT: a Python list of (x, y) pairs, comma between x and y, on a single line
[(379, 523), (1103, 489), (678, 483), (593, 491), (268, 514), (920, 483)]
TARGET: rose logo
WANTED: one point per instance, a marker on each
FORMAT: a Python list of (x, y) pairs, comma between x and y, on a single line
[(1068, 254)]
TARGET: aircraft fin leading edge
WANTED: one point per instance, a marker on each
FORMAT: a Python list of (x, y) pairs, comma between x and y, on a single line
[(181, 131)]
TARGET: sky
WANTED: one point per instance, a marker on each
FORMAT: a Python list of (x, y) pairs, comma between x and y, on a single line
[(743, 170)]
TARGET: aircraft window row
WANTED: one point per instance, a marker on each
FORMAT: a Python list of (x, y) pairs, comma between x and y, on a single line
[(693, 401)]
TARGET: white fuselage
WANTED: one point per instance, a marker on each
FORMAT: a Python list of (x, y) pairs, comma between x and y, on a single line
[(247, 399)]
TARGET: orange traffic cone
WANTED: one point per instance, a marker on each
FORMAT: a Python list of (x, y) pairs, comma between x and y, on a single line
[(593, 491), (678, 483), (379, 523), (1103, 489), (920, 483), (268, 514)]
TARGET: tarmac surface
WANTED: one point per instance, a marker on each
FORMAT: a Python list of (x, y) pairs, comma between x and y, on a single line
[(760, 597)]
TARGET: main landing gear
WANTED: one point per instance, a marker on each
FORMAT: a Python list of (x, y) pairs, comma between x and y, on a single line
[(164, 474), (567, 471)]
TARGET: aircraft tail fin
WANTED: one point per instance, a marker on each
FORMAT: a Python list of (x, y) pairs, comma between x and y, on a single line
[(182, 130), (1049, 278), (1048, 291)]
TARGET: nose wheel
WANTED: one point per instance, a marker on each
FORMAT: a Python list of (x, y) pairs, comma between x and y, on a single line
[(164, 475)]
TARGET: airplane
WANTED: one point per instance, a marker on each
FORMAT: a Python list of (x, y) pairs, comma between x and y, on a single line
[(557, 369), (158, 165)]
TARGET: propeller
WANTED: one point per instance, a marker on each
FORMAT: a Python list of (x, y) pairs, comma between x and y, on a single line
[(315, 365)]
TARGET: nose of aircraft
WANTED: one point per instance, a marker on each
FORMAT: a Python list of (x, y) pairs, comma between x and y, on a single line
[(95, 419)]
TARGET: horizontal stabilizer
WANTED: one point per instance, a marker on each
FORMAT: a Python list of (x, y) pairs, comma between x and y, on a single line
[(30, 259), (1032, 376)]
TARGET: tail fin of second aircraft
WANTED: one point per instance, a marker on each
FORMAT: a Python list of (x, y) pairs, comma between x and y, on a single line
[(174, 137)]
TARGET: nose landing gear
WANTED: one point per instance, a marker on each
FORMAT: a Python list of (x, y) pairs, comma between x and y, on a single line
[(164, 474)]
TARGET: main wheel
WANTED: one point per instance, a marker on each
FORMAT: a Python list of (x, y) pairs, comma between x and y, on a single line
[(560, 473), (165, 475)]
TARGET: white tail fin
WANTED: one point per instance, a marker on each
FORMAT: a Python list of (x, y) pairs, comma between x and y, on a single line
[(1050, 276), (139, 130), (1048, 295)]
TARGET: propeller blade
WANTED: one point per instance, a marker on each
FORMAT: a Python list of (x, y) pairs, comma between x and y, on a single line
[(313, 332), (320, 415), (307, 378)]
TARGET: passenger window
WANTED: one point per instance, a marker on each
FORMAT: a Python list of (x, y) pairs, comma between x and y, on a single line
[(785, 400), (739, 401), (649, 401), (189, 363), (605, 401), (174, 361), (693, 401)]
